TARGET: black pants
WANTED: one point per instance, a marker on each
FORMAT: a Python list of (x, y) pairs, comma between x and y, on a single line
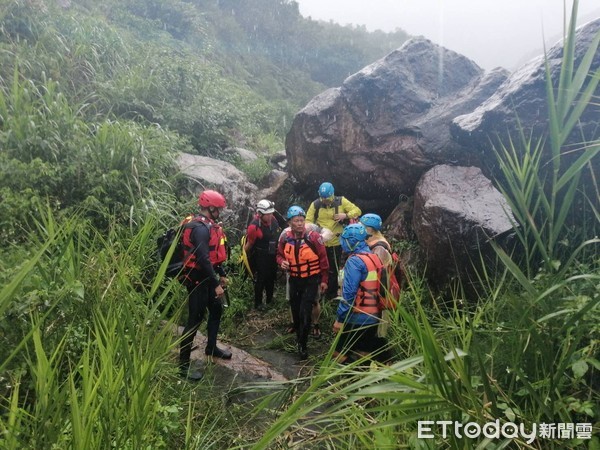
[(303, 294), (363, 339), (334, 255), (265, 270), (200, 298)]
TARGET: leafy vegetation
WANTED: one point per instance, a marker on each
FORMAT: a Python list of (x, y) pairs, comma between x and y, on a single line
[(96, 99)]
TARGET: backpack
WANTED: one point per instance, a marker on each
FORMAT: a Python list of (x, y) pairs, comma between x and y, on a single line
[(172, 238), (337, 202), (390, 279)]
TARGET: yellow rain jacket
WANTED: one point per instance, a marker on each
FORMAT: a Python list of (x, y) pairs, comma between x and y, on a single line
[(322, 215)]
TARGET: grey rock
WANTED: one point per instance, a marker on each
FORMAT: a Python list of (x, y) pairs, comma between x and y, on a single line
[(246, 156), (521, 99), (456, 211), (278, 191), (208, 173)]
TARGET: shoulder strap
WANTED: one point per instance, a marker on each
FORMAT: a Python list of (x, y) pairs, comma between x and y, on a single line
[(337, 202), (382, 244), (194, 223), (370, 257), (317, 204), (310, 243), (197, 220), (274, 226)]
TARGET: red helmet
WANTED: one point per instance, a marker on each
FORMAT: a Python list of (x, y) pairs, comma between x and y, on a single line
[(211, 198)]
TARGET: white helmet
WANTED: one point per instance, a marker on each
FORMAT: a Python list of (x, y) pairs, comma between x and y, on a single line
[(265, 207)]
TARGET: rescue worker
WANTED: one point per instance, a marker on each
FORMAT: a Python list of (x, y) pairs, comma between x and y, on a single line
[(332, 213), (261, 244), (375, 239), (204, 278), (382, 248), (302, 254), (358, 311)]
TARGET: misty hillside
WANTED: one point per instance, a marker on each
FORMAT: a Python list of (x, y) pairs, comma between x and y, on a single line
[(216, 71)]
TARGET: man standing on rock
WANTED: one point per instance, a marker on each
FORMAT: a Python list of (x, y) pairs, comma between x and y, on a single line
[(204, 278), (302, 253)]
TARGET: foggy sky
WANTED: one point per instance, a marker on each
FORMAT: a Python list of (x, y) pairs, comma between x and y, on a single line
[(491, 32)]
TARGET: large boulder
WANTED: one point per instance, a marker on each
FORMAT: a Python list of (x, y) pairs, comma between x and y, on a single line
[(208, 173), (375, 136), (456, 211), (521, 101)]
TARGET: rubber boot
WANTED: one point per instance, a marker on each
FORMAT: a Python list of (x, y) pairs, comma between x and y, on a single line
[(190, 373), (218, 352), (302, 351)]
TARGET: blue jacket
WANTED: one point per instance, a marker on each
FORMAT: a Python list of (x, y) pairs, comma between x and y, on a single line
[(355, 271)]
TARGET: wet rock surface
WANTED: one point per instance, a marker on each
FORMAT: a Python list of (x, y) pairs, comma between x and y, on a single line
[(521, 101), (208, 173), (241, 361), (456, 211), (378, 134), (263, 351), (386, 125)]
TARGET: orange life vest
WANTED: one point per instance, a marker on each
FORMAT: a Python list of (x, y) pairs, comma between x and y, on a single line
[(367, 298), (302, 256), (217, 251), (390, 279)]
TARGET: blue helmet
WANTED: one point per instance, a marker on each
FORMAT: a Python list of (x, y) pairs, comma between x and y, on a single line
[(326, 190), (371, 220), (352, 235), (294, 211)]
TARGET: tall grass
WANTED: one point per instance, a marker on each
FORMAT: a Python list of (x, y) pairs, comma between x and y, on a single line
[(543, 178), (90, 364), (368, 405), (552, 375), (88, 352), (49, 152)]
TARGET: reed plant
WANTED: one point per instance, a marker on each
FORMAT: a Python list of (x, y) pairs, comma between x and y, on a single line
[(88, 360), (544, 178), (557, 331), (87, 318), (542, 355)]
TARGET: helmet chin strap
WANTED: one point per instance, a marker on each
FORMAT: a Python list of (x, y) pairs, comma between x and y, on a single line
[(348, 246), (211, 211)]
